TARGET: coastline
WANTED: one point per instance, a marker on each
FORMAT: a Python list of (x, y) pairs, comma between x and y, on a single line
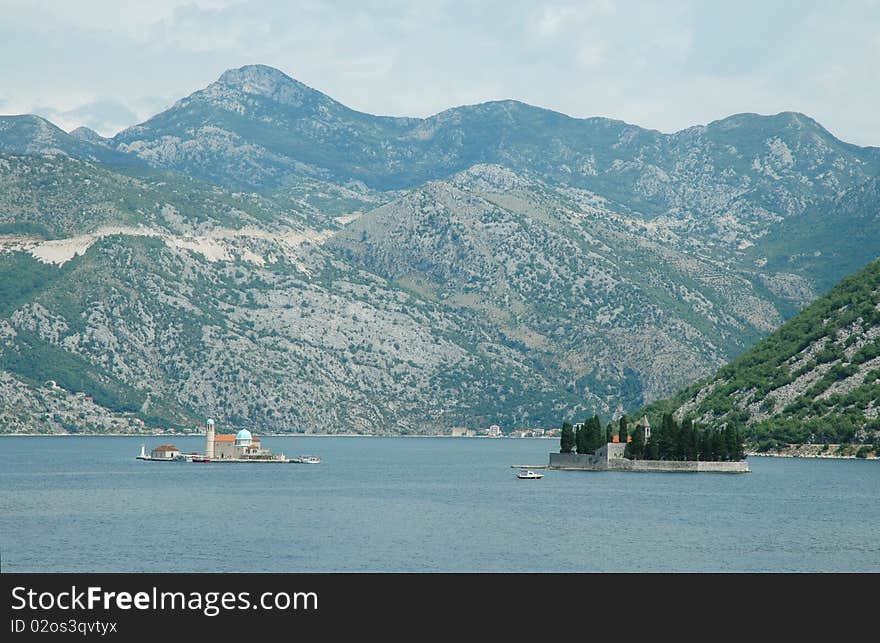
[(826, 452), (814, 457), (790, 451), (266, 435)]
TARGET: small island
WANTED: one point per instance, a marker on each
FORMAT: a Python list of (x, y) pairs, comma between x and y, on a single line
[(227, 448), (674, 447)]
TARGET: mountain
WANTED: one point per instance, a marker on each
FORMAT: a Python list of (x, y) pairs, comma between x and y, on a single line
[(828, 239), (89, 135), (267, 255), (814, 380), (59, 197), (168, 298), (618, 314), (28, 134), (257, 128)]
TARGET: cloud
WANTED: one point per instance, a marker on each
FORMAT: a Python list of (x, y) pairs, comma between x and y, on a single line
[(104, 115)]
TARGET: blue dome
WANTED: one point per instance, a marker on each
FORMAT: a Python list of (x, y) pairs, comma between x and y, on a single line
[(244, 434)]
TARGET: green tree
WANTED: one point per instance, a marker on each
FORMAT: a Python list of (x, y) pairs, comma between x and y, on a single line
[(595, 434), (734, 443), (580, 438), (719, 446), (652, 449), (623, 429), (688, 440), (566, 440), (705, 444), (666, 437), (635, 450)]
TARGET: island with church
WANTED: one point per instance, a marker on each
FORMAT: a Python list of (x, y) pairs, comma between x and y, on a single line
[(228, 448), (674, 447)]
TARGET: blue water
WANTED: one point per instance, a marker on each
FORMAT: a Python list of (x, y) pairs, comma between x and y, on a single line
[(84, 504)]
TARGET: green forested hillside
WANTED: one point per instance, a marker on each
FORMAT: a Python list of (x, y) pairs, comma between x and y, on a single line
[(815, 380)]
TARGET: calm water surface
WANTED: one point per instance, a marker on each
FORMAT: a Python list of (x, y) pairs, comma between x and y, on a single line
[(84, 504)]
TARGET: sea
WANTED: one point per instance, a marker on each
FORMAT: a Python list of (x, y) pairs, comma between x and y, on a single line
[(375, 504)]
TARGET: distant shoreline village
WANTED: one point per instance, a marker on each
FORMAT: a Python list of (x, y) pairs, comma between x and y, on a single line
[(225, 448)]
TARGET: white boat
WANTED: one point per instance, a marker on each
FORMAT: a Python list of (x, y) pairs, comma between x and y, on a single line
[(528, 474), (307, 459)]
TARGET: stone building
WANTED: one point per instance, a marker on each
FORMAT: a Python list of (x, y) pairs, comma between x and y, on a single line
[(165, 452), (241, 446)]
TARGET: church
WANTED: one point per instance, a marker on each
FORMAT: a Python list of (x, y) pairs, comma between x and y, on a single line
[(240, 446)]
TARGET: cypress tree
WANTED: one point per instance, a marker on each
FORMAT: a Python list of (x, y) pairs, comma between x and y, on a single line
[(623, 429), (719, 448), (667, 438), (695, 442), (729, 444), (635, 450), (740, 450), (566, 441), (652, 449), (706, 444), (687, 440), (733, 444), (679, 442), (580, 439), (585, 445), (609, 431), (596, 434)]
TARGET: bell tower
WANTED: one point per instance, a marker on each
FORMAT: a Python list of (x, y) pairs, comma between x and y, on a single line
[(209, 439)]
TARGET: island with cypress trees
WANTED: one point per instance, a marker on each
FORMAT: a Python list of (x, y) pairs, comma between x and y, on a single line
[(672, 446)]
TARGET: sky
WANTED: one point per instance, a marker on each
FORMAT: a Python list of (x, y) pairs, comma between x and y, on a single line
[(665, 65)]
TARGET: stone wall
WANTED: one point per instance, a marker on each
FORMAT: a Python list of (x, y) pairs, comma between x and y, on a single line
[(601, 462), (574, 461)]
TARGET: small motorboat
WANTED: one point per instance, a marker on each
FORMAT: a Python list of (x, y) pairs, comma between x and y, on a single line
[(528, 474), (307, 459)]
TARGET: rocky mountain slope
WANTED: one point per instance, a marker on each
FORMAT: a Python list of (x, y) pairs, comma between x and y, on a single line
[(267, 255), (586, 293), (173, 299), (829, 239), (257, 128), (29, 134), (814, 380)]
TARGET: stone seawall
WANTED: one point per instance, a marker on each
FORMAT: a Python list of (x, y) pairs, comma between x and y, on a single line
[(586, 462)]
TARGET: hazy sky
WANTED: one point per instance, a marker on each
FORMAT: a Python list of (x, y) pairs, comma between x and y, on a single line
[(664, 64)]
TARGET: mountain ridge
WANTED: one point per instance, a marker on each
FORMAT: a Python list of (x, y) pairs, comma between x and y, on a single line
[(451, 138), (492, 263)]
